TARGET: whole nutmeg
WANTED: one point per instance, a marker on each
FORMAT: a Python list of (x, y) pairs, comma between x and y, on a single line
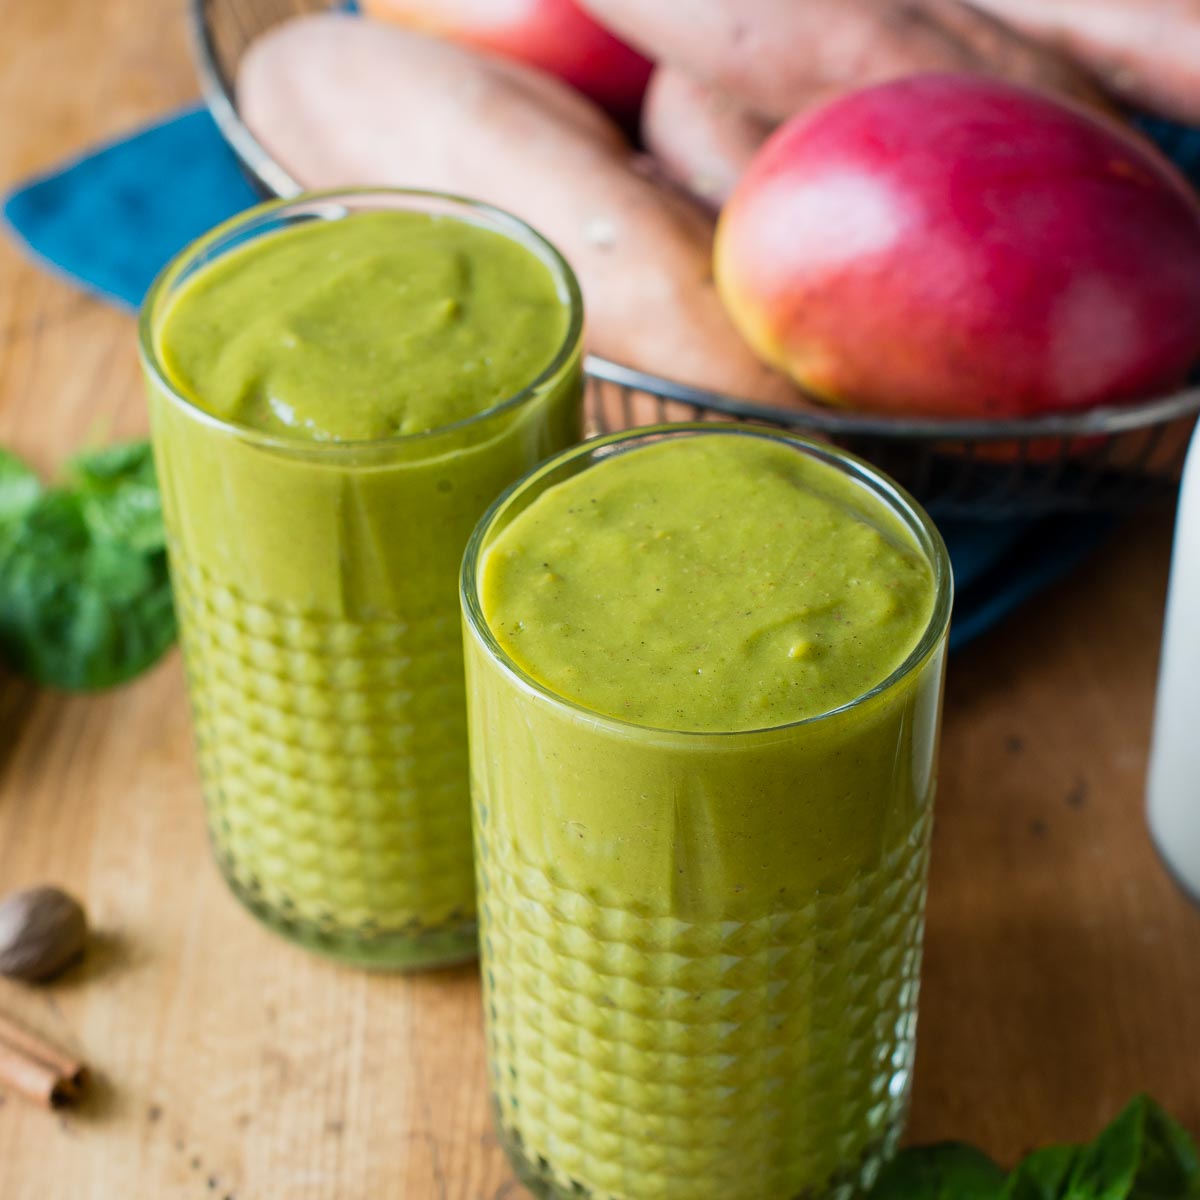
[(42, 931)]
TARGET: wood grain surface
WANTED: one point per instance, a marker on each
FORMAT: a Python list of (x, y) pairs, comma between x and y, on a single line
[(1063, 967)]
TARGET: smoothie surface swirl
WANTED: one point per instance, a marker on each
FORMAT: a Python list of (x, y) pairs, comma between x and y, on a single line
[(708, 583), (378, 325)]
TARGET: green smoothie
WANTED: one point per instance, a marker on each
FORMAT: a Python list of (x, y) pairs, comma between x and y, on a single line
[(390, 323), (767, 598), (704, 675), (334, 403)]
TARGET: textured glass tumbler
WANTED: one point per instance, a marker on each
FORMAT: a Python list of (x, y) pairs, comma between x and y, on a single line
[(317, 591), (701, 951)]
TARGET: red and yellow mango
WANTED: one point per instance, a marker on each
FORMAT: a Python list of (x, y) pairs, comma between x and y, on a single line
[(952, 245)]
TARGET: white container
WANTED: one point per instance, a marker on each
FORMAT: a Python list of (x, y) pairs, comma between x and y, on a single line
[(1173, 787)]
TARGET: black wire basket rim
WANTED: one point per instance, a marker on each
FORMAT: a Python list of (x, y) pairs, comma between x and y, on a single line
[(1093, 422)]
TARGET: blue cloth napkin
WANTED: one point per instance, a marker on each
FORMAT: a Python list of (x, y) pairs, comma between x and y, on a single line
[(112, 218)]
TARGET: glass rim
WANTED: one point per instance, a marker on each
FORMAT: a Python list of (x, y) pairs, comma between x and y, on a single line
[(899, 501), (498, 220)]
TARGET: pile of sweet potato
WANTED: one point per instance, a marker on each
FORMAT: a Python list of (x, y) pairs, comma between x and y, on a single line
[(470, 98)]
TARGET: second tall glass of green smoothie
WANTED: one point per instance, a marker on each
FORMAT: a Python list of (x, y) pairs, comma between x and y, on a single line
[(339, 386), (704, 672)]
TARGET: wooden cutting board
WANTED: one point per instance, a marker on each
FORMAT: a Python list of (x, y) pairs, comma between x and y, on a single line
[(1063, 968)]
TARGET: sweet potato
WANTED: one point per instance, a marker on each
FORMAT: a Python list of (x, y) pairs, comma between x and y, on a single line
[(700, 137), (772, 55), (340, 100), (1146, 51), (555, 36)]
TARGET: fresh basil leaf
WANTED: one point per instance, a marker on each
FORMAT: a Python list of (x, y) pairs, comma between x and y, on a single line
[(1143, 1155), (1043, 1175), (85, 598), (946, 1172), (19, 487), (1170, 1165), (1107, 1168)]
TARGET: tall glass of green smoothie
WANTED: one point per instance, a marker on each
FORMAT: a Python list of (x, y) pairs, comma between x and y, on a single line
[(339, 386), (704, 672)]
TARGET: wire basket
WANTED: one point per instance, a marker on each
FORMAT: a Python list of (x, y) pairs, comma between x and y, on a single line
[(1108, 459)]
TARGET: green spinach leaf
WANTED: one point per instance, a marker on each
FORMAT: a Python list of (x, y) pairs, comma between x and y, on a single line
[(85, 598), (119, 492), (19, 488)]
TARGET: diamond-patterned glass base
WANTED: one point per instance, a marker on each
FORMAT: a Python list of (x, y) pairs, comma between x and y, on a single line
[(333, 755), (645, 1058), (414, 948), (541, 1180)]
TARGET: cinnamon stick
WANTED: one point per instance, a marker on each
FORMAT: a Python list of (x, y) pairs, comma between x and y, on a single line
[(37, 1069)]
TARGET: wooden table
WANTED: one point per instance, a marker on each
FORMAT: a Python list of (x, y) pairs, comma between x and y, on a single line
[(1063, 968)]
